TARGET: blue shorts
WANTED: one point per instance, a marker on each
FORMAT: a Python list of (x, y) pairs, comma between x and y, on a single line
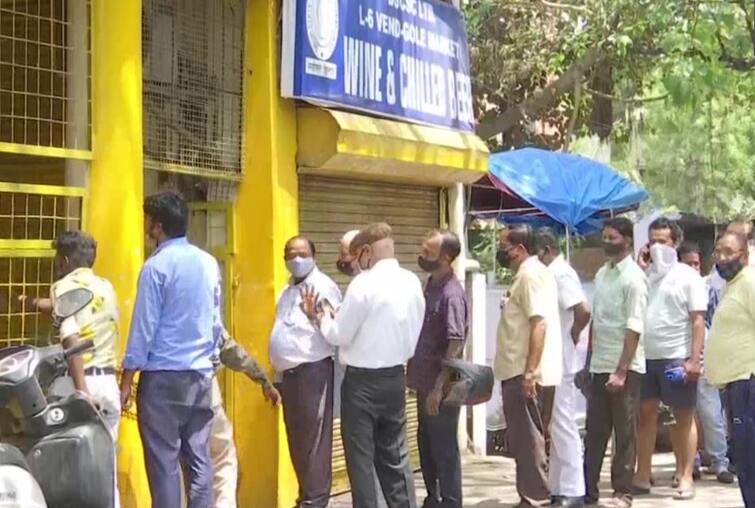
[(655, 385)]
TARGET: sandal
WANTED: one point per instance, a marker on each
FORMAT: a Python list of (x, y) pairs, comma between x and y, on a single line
[(684, 494)]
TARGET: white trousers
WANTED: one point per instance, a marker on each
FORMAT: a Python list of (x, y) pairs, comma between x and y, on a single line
[(566, 473), (105, 391)]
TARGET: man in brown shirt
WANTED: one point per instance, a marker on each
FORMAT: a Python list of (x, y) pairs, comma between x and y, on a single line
[(443, 334), (528, 359)]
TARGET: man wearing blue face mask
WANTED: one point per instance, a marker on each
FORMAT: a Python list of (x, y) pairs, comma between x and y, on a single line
[(303, 362)]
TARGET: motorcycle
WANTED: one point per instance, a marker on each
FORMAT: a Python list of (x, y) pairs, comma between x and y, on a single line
[(55, 452)]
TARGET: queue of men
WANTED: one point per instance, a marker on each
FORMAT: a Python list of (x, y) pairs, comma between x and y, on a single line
[(652, 319), (650, 324)]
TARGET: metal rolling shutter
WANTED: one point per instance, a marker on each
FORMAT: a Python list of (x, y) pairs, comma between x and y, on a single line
[(330, 207)]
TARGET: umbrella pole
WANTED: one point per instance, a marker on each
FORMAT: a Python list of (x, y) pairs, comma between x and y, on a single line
[(568, 244)]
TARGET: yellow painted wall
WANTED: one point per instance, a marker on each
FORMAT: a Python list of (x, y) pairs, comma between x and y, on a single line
[(114, 211), (267, 216)]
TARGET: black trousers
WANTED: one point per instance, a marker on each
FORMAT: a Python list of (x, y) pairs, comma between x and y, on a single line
[(307, 392), (439, 455), (373, 428), (606, 413)]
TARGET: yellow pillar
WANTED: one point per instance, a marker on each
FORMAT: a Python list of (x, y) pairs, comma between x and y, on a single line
[(267, 216), (114, 211)]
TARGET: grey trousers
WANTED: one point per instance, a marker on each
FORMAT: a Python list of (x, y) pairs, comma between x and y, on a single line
[(439, 455), (526, 435), (373, 428), (175, 416), (307, 392)]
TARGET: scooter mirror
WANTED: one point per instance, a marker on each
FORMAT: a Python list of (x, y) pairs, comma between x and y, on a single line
[(71, 302)]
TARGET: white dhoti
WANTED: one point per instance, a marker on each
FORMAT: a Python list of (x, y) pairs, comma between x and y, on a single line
[(566, 473)]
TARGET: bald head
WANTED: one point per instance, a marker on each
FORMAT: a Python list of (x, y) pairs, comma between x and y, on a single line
[(346, 240)]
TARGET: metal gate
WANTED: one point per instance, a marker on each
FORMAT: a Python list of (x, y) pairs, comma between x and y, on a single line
[(31, 216)]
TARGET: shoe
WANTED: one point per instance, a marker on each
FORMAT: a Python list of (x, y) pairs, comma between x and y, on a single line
[(725, 476)]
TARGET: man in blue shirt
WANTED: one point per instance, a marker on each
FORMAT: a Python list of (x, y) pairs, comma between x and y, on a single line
[(175, 332)]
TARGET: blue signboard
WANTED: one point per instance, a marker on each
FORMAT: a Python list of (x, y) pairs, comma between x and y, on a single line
[(404, 59)]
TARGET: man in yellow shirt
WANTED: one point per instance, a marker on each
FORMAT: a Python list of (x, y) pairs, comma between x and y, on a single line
[(730, 354), (528, 360)]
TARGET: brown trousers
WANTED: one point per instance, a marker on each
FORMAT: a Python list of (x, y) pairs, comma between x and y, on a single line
[(526, 435), (607, 413), (307, 393)]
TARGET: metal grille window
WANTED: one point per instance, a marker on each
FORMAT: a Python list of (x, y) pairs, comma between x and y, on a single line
[(193, 61), (31, 216), (44, 77)]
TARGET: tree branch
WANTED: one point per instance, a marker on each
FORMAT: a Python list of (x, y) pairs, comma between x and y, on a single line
[(543, 98)]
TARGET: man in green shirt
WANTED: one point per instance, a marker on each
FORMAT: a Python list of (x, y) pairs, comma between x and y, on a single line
[(615, 362)]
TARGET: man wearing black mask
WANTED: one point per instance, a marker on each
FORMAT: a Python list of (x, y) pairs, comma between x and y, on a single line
[(616, 362), (443, 334)]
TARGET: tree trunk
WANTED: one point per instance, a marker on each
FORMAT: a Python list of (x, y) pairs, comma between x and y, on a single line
[(542, 99)]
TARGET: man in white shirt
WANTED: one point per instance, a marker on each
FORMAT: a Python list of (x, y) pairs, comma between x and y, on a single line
[(303, 362), (528, 360), (674, 335), (566, 473), (376, 330)]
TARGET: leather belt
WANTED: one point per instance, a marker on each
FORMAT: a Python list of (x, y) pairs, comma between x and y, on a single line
[(99, 371)]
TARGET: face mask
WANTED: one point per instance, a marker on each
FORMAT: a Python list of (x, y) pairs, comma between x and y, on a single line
[(612, 249), (729, 269), (664, 257), (300, 267), (427, 265), (504, 258), (346, 267)]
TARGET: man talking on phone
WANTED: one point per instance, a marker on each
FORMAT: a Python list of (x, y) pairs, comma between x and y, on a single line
[(303, 362)]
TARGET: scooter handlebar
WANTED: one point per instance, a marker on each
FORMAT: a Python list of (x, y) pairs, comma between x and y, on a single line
[(82, 347)]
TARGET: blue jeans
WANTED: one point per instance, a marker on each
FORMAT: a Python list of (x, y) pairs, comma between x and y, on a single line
[(711, 416), (740, 397)]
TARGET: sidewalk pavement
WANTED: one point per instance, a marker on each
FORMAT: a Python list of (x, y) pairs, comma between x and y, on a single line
[(489, 483)]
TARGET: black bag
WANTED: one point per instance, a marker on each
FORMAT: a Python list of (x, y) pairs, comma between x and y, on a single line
[(473, 384)]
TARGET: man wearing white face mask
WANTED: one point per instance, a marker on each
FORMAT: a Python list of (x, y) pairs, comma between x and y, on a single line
[(303, 362), (673, 340)]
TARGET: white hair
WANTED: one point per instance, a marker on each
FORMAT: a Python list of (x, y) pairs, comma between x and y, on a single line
[(349, 236)]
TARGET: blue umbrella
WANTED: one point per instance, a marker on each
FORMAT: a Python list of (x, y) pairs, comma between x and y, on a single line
[(571, 189)]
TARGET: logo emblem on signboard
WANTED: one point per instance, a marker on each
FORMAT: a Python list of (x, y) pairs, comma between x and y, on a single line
[(322, 27)]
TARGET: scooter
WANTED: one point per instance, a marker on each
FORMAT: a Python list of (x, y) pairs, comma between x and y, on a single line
[(55, 452)]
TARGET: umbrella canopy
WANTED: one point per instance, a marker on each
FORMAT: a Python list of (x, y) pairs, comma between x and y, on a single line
[(572, 190)]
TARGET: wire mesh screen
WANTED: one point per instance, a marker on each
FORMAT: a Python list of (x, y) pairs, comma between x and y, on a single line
[(30, 277), (193, 61), (27, 216), (44, 73)]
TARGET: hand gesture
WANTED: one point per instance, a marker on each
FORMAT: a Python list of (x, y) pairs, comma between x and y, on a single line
[(125, 395), (692, 370), (432, 403), (643, 258), (529, 386), (616, 381), (272, 395), (309, 300)]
